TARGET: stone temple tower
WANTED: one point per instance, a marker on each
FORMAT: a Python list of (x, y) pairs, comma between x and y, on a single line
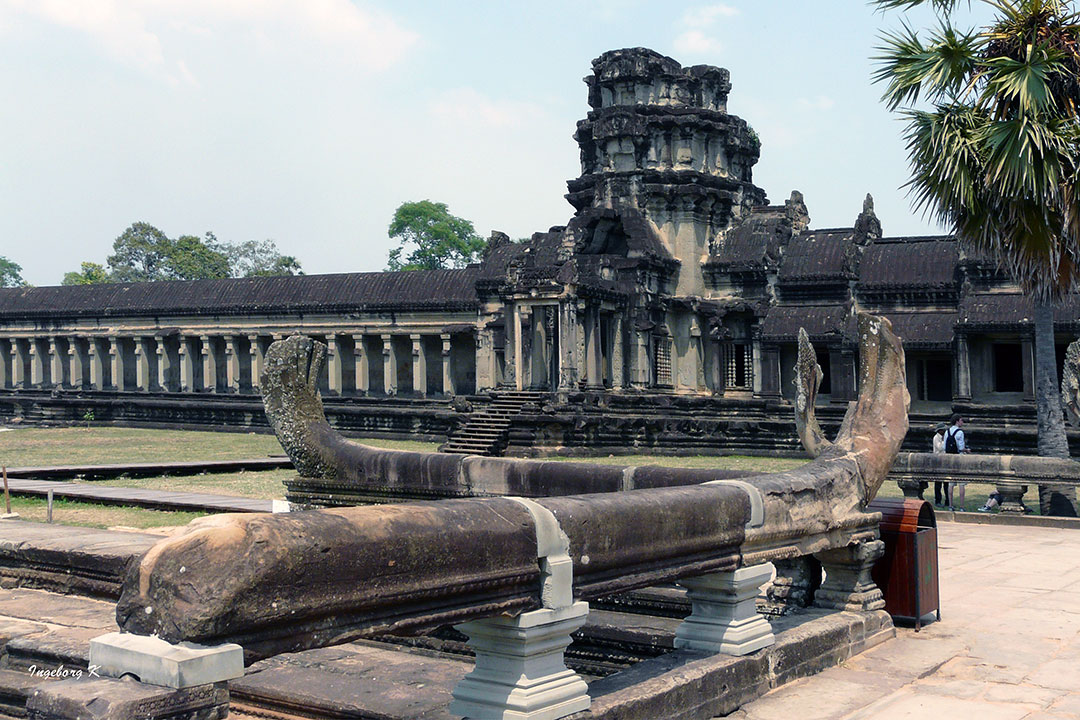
[(659, 143)]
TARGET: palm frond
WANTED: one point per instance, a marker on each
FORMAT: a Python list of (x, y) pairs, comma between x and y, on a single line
[(939, 69)]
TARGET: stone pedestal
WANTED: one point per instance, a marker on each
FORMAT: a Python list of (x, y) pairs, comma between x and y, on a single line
[(911, 488), (127, 699), (848, 585), (724, 618), (1012, 498), (520, 672), (793, 588), (157, 662)]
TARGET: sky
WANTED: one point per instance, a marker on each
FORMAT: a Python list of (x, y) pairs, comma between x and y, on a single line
[(309, 121)]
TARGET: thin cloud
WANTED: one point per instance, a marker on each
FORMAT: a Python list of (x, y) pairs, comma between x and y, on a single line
[(818, 102), (151, 34), (696, 24), (469, 106), (708, 15), (695, 42)]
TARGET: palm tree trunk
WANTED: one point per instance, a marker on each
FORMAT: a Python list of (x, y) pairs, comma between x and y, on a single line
[(1053, 499)]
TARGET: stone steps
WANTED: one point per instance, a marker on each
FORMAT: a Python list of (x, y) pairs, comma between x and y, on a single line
[(487, 430)]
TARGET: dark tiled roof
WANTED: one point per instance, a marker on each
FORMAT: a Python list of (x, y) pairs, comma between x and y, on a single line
[(420, 290), (1000, 309), (756, 242), (910, 262), (922, 328), (821, 321), (818, 255)]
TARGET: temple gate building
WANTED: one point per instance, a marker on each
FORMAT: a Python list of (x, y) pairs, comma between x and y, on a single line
[(668, 304)]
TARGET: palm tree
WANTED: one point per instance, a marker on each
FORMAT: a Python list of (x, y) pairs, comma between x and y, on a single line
[(993, 137)]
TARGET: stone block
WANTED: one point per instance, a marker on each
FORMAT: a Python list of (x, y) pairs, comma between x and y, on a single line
[(156, 662), (725, 617), (126, 699)]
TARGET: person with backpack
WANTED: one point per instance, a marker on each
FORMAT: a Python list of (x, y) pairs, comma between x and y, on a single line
[(954, 445), (939, 449)]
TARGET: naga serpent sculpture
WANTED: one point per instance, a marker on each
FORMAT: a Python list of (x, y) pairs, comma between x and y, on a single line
[(276, 583)]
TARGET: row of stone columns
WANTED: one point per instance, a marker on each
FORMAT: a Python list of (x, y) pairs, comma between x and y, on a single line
[(25, 361)]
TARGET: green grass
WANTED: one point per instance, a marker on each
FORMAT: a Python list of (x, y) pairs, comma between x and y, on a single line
[(66, 512)]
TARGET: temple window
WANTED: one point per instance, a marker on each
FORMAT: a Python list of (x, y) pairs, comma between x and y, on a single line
[(738, 365), (1008, 367)]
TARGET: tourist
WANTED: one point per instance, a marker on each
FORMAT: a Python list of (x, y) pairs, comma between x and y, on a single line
[(955, 443), (939, 449)]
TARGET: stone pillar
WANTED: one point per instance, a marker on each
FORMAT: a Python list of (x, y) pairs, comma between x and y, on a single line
[(568, 342), (209, 361), (97, 365), (37, 364), (142, 365), (419, 365), (447, 370), (520, 672), (770, 371), (56, 363), (756, 366), (389, 365), (1027, 357), (163, 363), (257, 357), (642, 369), (75, 363), (187, 366), (618, 361), (232, 365), (334, 364), (844, 380), (519, 347), (18, 363), (116, 363), (724, 617), (363, 374), (963, 369), (847, 584), (594, 379), (5, 364)]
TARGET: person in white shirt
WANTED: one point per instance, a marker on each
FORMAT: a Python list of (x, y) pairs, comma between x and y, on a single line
[(956, 443), (939, 449)]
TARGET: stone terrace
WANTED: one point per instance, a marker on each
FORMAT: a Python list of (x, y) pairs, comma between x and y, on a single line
[(1007, 648)]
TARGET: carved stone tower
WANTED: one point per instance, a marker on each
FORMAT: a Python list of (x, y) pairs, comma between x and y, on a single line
[(660, 142)]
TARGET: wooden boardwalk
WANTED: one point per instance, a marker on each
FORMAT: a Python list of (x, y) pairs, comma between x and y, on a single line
[(139, 497)]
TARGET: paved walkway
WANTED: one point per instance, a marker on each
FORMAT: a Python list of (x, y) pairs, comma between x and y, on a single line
[(1007, 648), (156, 499), (151, 469)]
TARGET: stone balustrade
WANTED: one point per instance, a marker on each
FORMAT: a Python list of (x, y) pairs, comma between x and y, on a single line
[(415, 364)]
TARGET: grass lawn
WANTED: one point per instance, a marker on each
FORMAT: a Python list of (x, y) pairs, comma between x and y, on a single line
[(98, 516)]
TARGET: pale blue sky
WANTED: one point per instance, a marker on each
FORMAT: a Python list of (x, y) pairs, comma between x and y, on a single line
[(309, 121)]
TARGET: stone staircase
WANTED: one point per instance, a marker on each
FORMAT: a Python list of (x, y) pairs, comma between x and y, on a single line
[(486, 431)]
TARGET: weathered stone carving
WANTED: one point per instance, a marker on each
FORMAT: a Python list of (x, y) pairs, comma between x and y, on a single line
[(1070, 384), (275, 583)]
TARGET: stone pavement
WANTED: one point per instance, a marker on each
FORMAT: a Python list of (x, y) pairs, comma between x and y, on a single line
[(1007, 647), (139, 497)]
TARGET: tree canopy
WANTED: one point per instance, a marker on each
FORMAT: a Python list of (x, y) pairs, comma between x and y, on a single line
[(993, 133), (142, 253), (10, 273), (434, 238)]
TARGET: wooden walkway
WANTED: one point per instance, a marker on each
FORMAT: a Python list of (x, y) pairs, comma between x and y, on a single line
[(139, 497), (151, 469)]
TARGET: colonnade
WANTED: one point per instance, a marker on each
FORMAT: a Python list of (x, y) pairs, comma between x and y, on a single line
[(358, 363)]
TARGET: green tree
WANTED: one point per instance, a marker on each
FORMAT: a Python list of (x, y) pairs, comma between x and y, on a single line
[(10, 273), (993, 137), (140, 254), (89, 273), (260, 259), (435, 238), (190, 257)]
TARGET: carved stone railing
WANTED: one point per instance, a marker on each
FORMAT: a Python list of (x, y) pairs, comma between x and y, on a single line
[(517, 573), (1010, 474)]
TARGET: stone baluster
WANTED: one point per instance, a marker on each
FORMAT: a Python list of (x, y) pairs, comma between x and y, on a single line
[(419, 365), (724, 616), (361, 368), (37, 364), (187, 365), (447, 370), (18, 363), (334, 364), (257, 357), (116, 363), (97, 364), (56, 363), (389, 365), (1012, 498), (847, 584), (232, 365), (142, 364), (163, 364), (209, 360)]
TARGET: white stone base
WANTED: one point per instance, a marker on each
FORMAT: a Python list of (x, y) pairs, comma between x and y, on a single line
[(724, 618), (156, 662), (520, 673)]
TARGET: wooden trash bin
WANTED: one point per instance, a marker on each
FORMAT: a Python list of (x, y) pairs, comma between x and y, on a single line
[(908, 572)]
